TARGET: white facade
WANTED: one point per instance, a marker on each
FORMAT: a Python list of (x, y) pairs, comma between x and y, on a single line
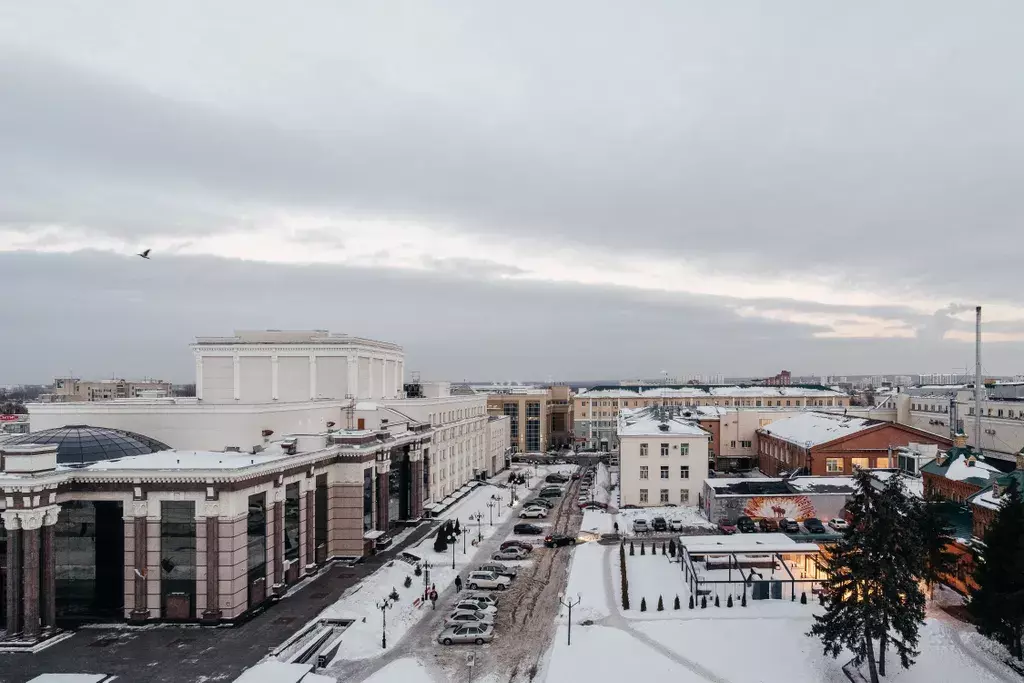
[(1002, 420), (296, 366), (661, 466), (499, 428)]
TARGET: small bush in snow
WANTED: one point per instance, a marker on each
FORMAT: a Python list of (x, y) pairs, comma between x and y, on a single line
[(743, 602), (643, 604), (661, 605), (394, 594), (728, 603), (717, 603), (632, 550), (664, 548), (643, 551), (703, 602), (419, 571), (803, 598), (672, 548), (408, 581), (691, 602)]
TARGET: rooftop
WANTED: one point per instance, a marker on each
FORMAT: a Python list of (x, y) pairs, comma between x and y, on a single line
[(318, 337), (710, 391), (745, 543), (773, 486), (967, 465), (657, 421), (815, 428)]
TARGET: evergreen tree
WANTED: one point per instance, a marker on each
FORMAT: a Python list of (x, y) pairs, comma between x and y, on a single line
[(664, 549), (873, 574), (717, 603), (728, 602), (675, 605), (690, 604), (803, 598), (632, 550), (458, 529), (643, 604), (998, 603), (936, 537), (672, 548), (661, 605), (642, 550), (622, 574), (703, 602), (743, 601), (441, 540)]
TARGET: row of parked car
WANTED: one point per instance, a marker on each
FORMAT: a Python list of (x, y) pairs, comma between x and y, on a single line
[(471, 620), (641, 526), (786, 525)]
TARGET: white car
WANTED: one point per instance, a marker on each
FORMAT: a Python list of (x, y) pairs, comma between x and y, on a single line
[(675, 524), (487, 581), (459, 617), (839, 524), (640, 526), (533, 513), (473, 605)]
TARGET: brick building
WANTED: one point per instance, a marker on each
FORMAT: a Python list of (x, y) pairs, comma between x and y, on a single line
[(985, 504), (824, 444)]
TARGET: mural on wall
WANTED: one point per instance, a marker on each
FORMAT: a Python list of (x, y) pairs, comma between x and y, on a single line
[(779, 507)]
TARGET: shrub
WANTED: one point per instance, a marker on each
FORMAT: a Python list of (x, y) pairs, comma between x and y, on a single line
[(672, 548), (643, 604), (643, 551), (743, 603), (632, 550), (664, 548), (675, 605), (661, 605), (728, 603), (691, 602), (803, 598), (717, 603), (703, 602), (625, 579), (408, 581), (419, 571), (394, 594)]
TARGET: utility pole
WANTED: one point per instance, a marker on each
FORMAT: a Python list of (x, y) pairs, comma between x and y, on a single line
[(570, 604), (452, 538)]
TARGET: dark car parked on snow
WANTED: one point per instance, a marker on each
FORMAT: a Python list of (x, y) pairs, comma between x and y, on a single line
[(659, 524), (541, 501), (814, 525), (527, 529), (550, 493), (517, 544), (558, 540), (768, 524), (789, 526), (745, 524)]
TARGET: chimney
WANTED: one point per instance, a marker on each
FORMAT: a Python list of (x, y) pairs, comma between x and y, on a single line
[(959, 440)]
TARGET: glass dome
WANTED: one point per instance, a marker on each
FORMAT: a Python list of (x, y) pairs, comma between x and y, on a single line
[(79, 445)]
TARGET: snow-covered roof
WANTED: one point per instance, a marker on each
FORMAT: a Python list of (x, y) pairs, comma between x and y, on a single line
[(987, 499), (191, 460), (777, 486), (709, 392), (745, 543), (273, 671), (814, 428), (648, 422)]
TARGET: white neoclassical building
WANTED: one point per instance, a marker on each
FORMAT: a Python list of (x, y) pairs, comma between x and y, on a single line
[(663, 457)]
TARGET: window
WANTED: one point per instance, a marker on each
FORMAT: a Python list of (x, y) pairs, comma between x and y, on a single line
[(833, 465), (643, 449), (664, 449), (643, 471), (684, 496), (643, 495), (684, 472), (862, 463), (291, 521), (732, 444), (684, 449), (745, 444), (664, 471), (664, 495)]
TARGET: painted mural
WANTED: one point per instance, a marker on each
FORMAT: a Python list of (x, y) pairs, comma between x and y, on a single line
[(779, 507)]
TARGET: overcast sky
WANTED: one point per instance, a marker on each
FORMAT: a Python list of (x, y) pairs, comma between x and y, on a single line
[(562, 189)]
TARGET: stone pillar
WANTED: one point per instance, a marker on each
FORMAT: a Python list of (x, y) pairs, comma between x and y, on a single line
[(312, 377), (49, 584), (30, 578), (310, 547), (13, 526), (381, 521), (211, 615), (236, 369), (199, 377), (140, 611), (416, 510), (278, 543)]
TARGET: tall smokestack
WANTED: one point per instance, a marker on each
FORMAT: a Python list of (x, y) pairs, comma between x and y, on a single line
[(977, 379)]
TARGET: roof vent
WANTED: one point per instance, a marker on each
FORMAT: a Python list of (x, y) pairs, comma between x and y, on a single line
[(232, 449), (663, 427)]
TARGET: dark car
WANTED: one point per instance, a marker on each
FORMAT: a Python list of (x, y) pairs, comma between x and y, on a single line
[(527, 529), (745, 524), (789, 526), (541, 501), (593, 505), (768, 524), (550, 493), (629, 507), (575, 475), (558, 540), (528, 547), (814, 525), (556, 479), (726, 527), (659, 524)]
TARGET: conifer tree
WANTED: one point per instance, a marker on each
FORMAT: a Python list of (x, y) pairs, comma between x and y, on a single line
[(625, 579), (672, 548), (691, 602), (675, 605), (936, 537), (663, 548), (703, 602), (643, 551), (728, 602), (632, 550), (661, 604), (643, 604), (998, 603), (458, 529), (717, 603), (441, 540)]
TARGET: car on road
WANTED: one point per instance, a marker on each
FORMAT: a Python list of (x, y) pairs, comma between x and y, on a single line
[(659, 524), (745, 524), (469, 633), (509, 554), (575, 475), (559, 540), (468, 617), (541, 503), (789, 526), (470, 605), (500, 569), (767, 524), (814, 525), (675, 524), (556, 479), (527, 530), (487, 581), (839, 524), (522, 545), (726, 527), (534, 513), (640, 526)]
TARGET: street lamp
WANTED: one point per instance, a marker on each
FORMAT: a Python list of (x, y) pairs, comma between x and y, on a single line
[(427, 566), (452, 537), (570, 604), (490, 510), (465, 532), (383, 606), (479, 532)]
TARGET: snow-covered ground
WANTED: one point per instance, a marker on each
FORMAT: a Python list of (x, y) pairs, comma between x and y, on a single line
[(405, 670), (689, 515), (586, 583), (650, 576)]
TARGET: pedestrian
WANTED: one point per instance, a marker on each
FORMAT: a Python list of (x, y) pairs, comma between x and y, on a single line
[(616, 527), (433, 599), (458, 584)]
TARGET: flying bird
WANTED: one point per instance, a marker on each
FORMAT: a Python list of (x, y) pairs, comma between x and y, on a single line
[(145, 254)]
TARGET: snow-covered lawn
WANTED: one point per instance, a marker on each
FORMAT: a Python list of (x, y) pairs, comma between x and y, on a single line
[(598, 522), (586, 580), (405, 670), (649, 576)]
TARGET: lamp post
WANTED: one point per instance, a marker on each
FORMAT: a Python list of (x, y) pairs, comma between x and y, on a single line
[(427, 566), (570, 604), (383, 606), (452, 537), (465, 532), (490, 510), (479, 532)]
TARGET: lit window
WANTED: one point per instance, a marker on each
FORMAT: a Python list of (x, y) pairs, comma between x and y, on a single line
[(684, 472), (664, 471), (643, 471), (833, 465), (643, 495)]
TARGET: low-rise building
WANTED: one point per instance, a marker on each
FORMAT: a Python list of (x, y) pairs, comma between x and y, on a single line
[(774, 498), (73, 389), (528, 409), (663, 457), (498, 452)]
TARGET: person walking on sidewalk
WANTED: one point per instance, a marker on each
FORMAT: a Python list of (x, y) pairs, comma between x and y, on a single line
[(458, 584), (433, 599)]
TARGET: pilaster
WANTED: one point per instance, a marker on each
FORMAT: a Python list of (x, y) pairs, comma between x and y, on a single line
[(236, 363), (274, 377), (13, 526)]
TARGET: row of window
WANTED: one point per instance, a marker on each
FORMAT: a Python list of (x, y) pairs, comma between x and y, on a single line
[(727, 403), (684, 496), (1013, 415), (684, 472), (454, 415), (684, 449)]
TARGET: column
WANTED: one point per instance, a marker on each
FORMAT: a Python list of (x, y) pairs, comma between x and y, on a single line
[(353, 377), (211, 614), (236, 363), (381, 523), (278, 542), (49, 585), (399, 378), (199, 377), (417, 487), (312, 377), (384, 392), (273, 377), (310, 506), (140, 612), (13, 526), (30, 577)]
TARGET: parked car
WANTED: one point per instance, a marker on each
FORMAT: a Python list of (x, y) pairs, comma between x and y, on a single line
[(640, 526), (789, 526), (470, 605), (534, 513), (726, 527), (669, 505), (527, 530), (550, 493), (558, 540), (768, 524), (629, 507), (459, 617), (487, 580), (509, 554), (745, 524), (485, 599), (500, 569), (593, 505), (575, 475), (814, 525), (540, 502), (659, 524), (522, 545), (839, 524), (468, 633), (556, 479), (675, 524)]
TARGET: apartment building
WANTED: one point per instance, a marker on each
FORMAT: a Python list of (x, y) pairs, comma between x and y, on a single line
[(73, 389), (663, 457), (529, 410)]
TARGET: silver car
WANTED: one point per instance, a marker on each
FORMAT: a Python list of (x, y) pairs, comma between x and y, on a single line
[(460, 617), (474, 605), (508, 570), (483, 599), (469, 633), (509, 554)]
